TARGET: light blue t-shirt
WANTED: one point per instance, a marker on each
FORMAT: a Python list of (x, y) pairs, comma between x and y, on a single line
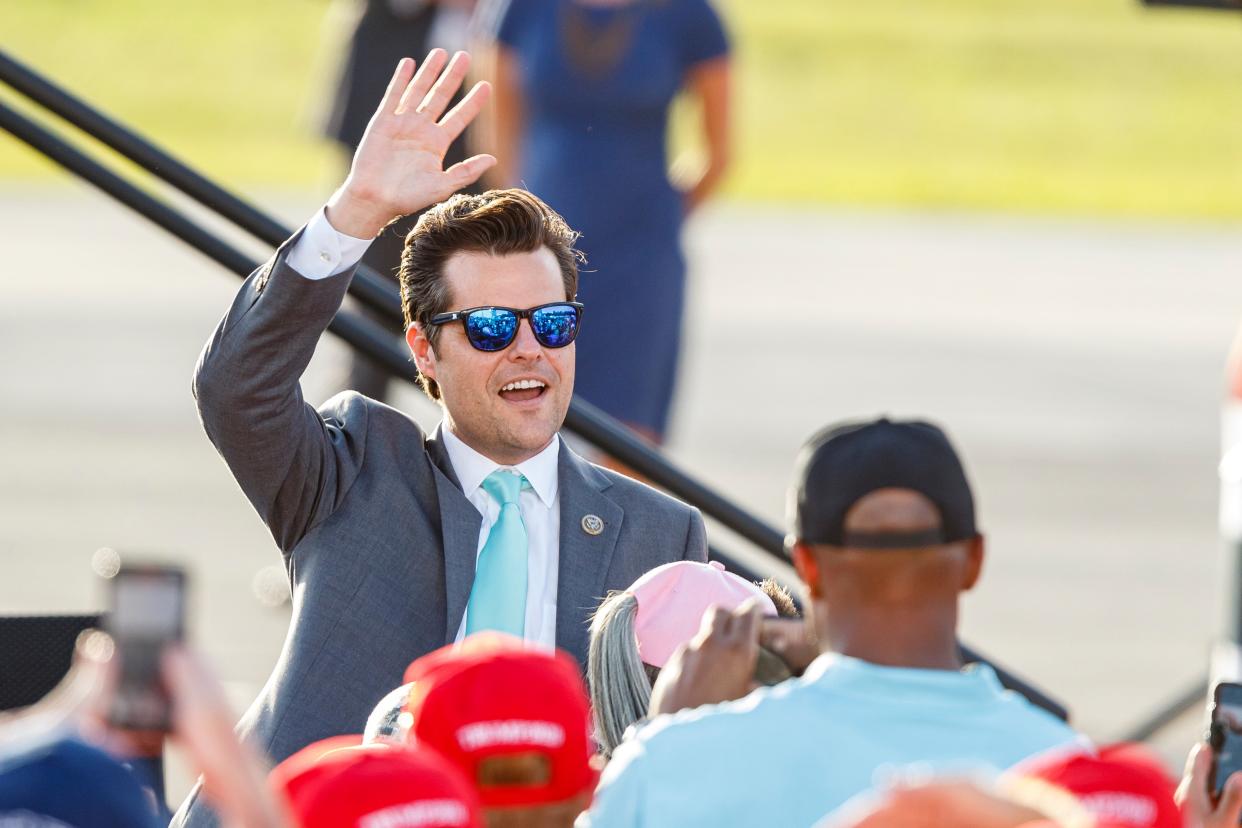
[(788, 755)]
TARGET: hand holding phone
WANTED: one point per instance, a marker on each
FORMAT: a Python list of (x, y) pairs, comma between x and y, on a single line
[(1194, 795), (147, 614)]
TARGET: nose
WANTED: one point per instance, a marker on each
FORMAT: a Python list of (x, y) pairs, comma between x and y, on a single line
[(525, 346)]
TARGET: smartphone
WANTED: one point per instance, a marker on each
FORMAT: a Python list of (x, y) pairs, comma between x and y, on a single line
[(147, 614), (1225, 735)]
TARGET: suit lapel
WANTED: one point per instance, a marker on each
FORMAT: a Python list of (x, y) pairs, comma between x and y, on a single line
[(584, 557), (460, 523)]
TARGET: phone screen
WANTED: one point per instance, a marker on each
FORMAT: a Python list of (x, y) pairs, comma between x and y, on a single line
[(147, 604), (1226, 734), (148, 609)]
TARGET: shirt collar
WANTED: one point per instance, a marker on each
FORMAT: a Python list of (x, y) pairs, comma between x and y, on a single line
[(840, 670), (473, 468)]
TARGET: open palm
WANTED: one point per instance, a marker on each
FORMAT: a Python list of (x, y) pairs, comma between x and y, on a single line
[(399, 166)]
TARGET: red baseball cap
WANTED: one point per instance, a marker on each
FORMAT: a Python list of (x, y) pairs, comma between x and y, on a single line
[(339, 783), (491, 698), (1122, 786)]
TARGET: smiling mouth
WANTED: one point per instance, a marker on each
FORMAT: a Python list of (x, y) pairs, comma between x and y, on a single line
[(523, 390)]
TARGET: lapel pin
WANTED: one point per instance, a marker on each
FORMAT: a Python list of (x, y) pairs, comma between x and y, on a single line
[(592, 524)]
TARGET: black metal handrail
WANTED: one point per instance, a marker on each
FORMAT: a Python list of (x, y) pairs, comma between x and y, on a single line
[(368, 287), (354, 329), (582, 418)]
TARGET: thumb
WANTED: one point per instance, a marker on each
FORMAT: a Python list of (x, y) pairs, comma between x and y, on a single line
[(464, 173), (1192, 794)]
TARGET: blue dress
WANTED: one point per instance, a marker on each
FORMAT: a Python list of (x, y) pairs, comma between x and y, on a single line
[(593, 147)]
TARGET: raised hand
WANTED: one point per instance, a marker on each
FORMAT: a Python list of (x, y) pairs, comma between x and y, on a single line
[(1198, 810), (717, 665), (399, 166)]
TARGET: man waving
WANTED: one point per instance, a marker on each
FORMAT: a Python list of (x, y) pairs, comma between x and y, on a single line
[(398, 542)]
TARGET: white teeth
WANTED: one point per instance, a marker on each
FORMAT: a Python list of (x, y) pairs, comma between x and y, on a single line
[(520, 384)]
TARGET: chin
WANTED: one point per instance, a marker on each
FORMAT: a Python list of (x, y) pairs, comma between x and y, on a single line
[(527, 432), (534, 439)]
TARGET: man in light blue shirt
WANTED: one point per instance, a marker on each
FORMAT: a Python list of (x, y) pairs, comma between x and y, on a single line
[(883, 535)]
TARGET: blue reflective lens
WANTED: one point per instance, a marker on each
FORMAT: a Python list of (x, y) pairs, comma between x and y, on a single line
[(491, 329), (555, 326)]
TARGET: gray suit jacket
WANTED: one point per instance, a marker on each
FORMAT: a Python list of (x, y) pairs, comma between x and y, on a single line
[(377, 536)]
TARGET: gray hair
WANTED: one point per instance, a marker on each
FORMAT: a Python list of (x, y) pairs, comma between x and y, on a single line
[(620, 688), (384, 724)]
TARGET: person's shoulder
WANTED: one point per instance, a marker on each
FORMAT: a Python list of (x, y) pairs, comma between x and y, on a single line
[(700, 27), (34, 774), (649, 769), (692, 6), (510, 19), (693, 730), (1033, 729), (354, 412), (626, 489), (1036, 720), (692, 11)]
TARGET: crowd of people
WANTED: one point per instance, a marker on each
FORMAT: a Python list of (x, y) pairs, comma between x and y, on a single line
[(489, 630), (876, 724)]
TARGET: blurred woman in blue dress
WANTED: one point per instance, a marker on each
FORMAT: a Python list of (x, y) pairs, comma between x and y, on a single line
[(583, 94)]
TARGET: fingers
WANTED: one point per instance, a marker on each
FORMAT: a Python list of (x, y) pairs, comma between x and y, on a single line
[(400, 79), (465, 173), (446, 87), (718, 622), (1192, 769), (94, 676), (727, 628), (747, 622), (660, 702), (179, 671), (1230, 808), (196, 692), (1193, 792), (418, 88), (460, 116)]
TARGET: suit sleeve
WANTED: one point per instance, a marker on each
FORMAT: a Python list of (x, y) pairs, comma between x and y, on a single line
[(292, 464), (696, 539)]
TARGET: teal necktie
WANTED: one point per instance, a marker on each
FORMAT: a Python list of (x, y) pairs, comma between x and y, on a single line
[(498, 597)]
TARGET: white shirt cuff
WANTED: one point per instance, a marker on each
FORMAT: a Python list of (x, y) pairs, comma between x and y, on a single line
[(324, 251)]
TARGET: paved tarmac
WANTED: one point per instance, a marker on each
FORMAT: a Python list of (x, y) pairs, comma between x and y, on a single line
[(1078, 365)]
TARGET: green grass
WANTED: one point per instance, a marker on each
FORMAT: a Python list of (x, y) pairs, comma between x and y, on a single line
[(228, 86), (1036, 105), (1068, 106)]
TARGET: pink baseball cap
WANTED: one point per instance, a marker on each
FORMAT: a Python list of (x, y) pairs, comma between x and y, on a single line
[(673, 598)]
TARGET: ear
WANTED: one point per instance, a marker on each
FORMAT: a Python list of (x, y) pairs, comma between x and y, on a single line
[(420, 347), (807, 566), (974, 563)]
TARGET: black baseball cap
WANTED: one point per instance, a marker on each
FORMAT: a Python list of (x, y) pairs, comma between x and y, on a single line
[(845, 462)]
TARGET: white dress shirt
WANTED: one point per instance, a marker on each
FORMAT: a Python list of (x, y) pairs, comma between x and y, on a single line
[(541, 514), (323, 251)]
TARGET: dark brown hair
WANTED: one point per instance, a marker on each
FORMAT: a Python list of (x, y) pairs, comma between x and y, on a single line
[(781, 599), (497, 222)]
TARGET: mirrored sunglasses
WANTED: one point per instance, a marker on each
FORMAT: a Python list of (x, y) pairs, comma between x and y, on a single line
[(492, 328)]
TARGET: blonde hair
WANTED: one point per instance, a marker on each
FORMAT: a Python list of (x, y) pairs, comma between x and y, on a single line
[(619, 681)]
